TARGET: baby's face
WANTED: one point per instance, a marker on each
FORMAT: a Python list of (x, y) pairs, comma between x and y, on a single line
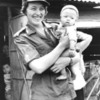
[(6, 68), (68, 17)]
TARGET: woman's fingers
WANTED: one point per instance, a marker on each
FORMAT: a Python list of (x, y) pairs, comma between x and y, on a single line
[(64, 40), (56, 68), (52, 68)]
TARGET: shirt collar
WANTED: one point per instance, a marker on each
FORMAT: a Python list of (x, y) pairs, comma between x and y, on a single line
[(31, 30), (47, 25)]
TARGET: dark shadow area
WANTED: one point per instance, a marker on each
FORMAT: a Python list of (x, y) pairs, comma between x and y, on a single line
[(2, 84)]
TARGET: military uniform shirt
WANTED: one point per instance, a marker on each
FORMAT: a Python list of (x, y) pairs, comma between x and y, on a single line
[(32, 45)]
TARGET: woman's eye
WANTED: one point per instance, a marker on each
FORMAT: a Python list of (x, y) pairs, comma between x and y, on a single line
[(42, 8), (33, 8)]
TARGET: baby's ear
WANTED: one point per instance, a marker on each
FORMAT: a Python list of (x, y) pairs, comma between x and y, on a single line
[(77, 18)]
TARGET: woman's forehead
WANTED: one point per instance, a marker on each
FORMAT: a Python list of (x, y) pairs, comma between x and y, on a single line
[(35, 4)]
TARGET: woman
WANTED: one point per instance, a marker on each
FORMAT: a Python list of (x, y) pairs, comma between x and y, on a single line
[(39, 49)]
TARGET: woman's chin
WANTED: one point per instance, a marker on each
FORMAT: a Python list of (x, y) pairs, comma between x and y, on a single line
[(36, 22)]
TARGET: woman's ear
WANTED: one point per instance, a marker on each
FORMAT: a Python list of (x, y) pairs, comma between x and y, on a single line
[(46, 11)]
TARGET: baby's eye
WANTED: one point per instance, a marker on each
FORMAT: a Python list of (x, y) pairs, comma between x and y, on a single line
[(66, 16), (72, 18)]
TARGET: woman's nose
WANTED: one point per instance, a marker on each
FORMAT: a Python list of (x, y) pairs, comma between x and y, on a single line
[(38, 12)]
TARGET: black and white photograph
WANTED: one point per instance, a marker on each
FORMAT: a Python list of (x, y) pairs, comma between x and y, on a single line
[(49, 49)]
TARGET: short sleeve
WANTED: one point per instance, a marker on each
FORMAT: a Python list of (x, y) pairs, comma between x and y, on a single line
[(26, 50)]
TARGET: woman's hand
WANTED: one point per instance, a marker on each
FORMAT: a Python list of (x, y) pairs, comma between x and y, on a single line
[(76, 59), (63, 62), (60, 64), (64, 41)]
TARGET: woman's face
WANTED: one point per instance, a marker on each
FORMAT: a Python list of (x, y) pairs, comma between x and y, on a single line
[(35, 13)]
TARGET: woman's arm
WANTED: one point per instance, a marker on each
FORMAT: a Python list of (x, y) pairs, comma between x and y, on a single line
[(63, 62), (86, 40), (43, 63)]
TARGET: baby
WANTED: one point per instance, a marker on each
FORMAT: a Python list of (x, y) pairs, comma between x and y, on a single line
[(7, 80), (68, 17)]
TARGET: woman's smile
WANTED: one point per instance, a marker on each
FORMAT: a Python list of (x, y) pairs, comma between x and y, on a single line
[(35, 13), (37, 17)]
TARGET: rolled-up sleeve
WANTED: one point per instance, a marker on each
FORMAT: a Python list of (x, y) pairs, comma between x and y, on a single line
[(27, 51)]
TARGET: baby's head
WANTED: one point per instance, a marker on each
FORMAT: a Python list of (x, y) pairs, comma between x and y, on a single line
[(6, 68), (69, 15)]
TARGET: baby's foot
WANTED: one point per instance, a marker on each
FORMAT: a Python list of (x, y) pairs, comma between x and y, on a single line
[(61, 77)]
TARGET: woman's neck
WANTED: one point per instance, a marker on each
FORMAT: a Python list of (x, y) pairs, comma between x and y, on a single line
[(36, 26), (39, 28)]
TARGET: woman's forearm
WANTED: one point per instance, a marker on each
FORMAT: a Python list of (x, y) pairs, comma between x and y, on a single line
[(41, 64)]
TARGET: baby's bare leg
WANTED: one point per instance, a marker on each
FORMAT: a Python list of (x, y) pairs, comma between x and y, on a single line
[(59, 61)]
